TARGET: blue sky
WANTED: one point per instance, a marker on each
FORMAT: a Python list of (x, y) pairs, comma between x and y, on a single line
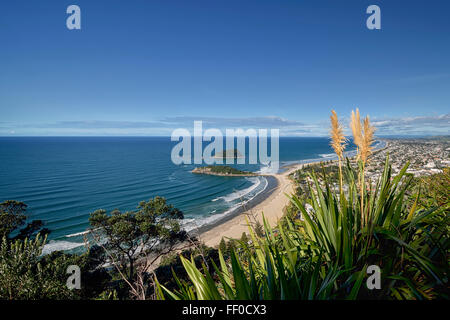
[(146, 67)]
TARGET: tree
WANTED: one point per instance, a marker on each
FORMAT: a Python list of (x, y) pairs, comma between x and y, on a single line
[(128, 236), (12, 216), (24, 276)]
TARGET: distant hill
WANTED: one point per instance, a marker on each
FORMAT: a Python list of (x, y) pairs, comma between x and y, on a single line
[(223, 154)]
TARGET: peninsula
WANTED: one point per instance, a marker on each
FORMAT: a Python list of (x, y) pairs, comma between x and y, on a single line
[(225, 171)]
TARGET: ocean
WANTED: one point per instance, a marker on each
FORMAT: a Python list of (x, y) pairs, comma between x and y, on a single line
[(64, 179)]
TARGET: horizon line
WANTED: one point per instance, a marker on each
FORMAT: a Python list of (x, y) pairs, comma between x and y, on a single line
[(164, 136)]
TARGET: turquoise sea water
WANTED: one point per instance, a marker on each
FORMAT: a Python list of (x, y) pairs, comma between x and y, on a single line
[(63, 179)]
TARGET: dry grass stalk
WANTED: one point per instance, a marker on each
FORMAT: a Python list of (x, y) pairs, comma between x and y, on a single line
[(366, 147), (337, 135), (355, 125), (338, 141), (363, 138)]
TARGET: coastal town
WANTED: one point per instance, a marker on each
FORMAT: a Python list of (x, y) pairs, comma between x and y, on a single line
[(426, 156)]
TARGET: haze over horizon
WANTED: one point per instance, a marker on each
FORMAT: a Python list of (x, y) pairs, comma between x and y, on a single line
[(148, 67)]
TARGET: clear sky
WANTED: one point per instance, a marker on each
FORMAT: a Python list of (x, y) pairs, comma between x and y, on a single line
[(144, 67)]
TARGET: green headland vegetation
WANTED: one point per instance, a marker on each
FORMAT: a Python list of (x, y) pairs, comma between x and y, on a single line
[(221, 170)]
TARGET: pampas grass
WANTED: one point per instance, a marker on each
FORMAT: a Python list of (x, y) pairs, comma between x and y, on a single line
[(355, 125), (362, 136), (367, 141), (338, 141), (363, 139)]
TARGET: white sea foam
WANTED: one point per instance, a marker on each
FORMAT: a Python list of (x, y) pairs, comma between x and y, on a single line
[(60, 245), (327, 155), (268, 170), (241, 193), (191, 224), (77, 234), (188, 224)]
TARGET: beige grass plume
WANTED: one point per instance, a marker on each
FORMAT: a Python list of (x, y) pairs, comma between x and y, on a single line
[(363, 138), (338, 141), (367, 141), (355, 125), (337, 135)]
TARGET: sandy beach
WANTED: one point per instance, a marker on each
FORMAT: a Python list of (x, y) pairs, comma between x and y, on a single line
[(272, 207)]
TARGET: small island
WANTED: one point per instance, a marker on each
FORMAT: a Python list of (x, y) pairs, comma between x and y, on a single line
[(235, 154), (225, 171)]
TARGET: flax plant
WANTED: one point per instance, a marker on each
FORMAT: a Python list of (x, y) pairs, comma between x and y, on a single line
[(324, 256), (279, 266)]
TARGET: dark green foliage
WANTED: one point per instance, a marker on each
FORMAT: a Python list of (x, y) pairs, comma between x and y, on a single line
[(322, 170), (244, 238), (434, 191), (222, 245), (31, 229), (95, 279), (129, 235), (173, 265), (226, 170), (12, 216), (24, 276)]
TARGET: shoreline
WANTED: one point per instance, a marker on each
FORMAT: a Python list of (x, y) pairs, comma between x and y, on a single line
[(272, 185), (271, 202)]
